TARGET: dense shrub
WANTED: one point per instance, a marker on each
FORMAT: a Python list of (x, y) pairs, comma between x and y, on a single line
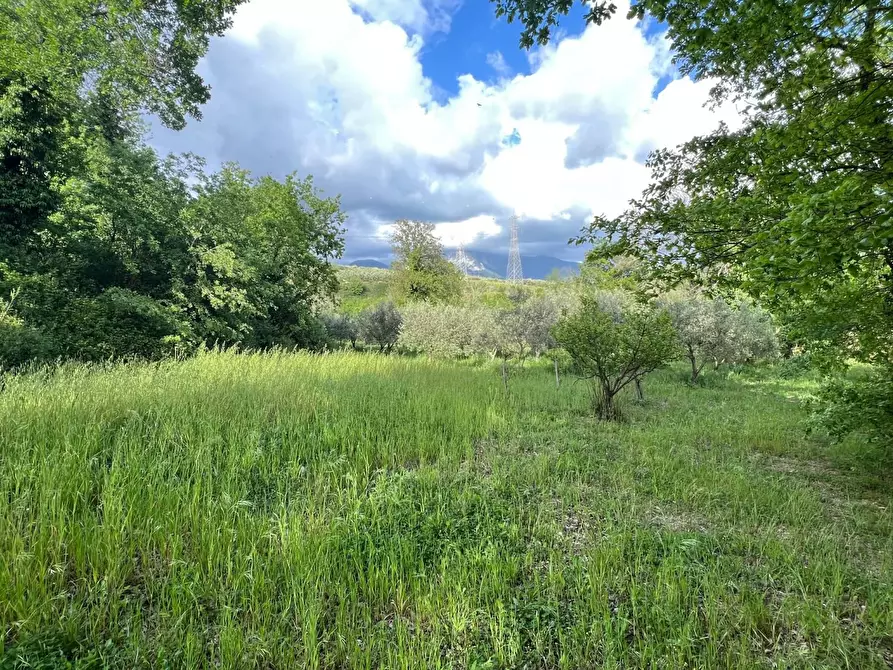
[(381, 326), (341, 328), (19, 343), (447, 331), (862, 406)]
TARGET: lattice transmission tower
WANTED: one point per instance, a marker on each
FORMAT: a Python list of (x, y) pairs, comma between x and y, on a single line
[(514, 273), (463, 261)]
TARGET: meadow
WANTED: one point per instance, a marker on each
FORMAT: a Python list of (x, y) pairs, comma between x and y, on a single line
[(350, 510)]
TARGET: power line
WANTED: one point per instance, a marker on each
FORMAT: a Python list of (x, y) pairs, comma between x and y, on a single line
[(514, 273)]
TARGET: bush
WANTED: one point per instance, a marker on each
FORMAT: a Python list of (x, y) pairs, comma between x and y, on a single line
[(353, 286), (19, 343), (341, 328), (120, 323), (614, 341), (864, 406), (446, 331), (381, 325)]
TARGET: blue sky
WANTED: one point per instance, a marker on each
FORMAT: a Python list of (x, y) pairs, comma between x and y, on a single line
[(404, 108)]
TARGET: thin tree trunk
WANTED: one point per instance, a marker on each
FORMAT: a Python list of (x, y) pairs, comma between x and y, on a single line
[(640, 397), (557, 378), (505, 376)]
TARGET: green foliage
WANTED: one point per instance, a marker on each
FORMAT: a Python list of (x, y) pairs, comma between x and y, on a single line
[(527, 328), (341, 328), (123, 56), (19, 343), (615, 341), (792, 207), (421, 272), (448, 331), (863, 406), (712, 330), (262, 253), (381, 325), (111, 251), (353, 286)]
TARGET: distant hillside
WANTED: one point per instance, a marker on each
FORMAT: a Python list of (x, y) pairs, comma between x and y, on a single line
[(367, 263), (493, 264)]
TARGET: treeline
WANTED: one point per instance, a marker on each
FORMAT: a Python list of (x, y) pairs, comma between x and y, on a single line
[(108, 250), (610, 325)]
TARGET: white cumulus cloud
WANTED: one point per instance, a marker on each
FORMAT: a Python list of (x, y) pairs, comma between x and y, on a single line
[(337, 89)]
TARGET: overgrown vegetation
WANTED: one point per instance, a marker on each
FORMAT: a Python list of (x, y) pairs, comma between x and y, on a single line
[(107, 250), (353, 510)]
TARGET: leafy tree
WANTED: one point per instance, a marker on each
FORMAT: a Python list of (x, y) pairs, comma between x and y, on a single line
[(341, 328), (421, 272), (712, 330), (793, 207), (614, 341), (260, 256), (381, 325), (527, 328), (122, 56)]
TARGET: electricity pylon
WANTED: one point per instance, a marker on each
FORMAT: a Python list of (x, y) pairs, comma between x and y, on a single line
[(462, 260), (514, 273)]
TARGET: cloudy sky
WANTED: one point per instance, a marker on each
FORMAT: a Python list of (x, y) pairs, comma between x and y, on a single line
[(428, 109)]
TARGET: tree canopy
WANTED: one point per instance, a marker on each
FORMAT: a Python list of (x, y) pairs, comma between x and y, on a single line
[(108, 250), (421, 272)]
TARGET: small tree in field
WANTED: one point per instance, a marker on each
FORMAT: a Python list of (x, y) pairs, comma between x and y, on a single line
[(614, 341), (341, 328), (712, 330), (527, 329), (381, 326)]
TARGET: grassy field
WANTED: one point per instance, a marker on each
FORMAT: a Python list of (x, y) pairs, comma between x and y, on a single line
[(360, 511), (363, 288)]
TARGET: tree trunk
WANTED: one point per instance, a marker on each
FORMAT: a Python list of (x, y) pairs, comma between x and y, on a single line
[(640, 397), (557, 378), (505, 376), (603, 401), (695, 370)]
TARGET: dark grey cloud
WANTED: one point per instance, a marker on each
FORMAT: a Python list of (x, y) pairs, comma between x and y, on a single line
[(592, 143)]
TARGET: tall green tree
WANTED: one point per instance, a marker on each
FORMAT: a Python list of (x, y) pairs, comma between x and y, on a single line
[(108, 250), (794, 206), (421, 272), (261, 255)]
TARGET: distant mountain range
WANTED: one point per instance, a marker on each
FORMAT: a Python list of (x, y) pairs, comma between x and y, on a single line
[(493, 264)]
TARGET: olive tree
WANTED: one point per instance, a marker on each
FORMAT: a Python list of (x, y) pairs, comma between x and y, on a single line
[(381, 325), (712, 330), (615, 341), (446, 331), (341, 328), (527, 328)]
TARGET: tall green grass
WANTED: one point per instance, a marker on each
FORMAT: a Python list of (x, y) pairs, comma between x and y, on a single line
[(359, 511)]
